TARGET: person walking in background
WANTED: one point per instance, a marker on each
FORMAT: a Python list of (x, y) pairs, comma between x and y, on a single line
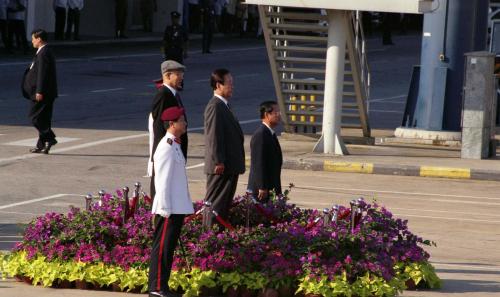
[(175, 40), (120, 18), (74, 8), (208, 14), (167, 96), (266, 157), (3, 24), (16, 13), (60, 7), (172, 202), (40, 86), (224, 152), (148, 8)]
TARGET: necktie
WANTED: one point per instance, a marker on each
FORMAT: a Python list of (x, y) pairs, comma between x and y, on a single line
[(178, 140), (178, 97)]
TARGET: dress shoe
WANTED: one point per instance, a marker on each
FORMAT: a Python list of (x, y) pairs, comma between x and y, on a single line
[(47, 146), (36, 150)]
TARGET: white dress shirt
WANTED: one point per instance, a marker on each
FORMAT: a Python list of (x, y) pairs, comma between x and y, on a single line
[(172, 192), (61, 3), (75, 4)]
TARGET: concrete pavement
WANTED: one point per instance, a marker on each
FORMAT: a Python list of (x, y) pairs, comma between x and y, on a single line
[(388, 158)]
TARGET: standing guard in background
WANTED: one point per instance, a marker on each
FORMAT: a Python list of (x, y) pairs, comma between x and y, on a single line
[(148, 8), (60, 7), (175, 40), (120, 18), (208, 14), (74, 8)]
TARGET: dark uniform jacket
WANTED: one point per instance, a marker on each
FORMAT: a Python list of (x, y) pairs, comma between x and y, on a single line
[(174, 38), (223, 139), (41, 77), (266, 161), (163, 100)]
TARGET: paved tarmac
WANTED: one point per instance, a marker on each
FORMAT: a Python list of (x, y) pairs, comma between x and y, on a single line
[(449, 200)]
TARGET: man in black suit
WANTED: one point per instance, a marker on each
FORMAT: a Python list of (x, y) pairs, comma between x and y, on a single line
[(224, 153), (167, 96), (266, 156), (40, 86)]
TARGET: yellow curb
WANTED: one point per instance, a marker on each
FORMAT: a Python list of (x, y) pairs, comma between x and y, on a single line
[(449, 172), (352, 167)]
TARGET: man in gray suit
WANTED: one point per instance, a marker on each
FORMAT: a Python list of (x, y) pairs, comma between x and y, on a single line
[(224, 152)]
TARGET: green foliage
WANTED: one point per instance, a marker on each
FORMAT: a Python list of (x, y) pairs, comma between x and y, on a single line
[(365, 286), (418, 272)]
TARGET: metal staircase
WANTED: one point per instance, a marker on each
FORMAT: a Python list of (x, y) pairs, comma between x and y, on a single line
[(296, 41)]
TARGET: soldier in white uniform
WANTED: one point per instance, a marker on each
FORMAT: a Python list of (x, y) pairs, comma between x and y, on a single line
[(171, 203)]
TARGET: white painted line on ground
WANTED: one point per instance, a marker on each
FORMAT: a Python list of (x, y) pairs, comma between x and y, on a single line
[(68, 60), (386, 111), (447, 219), (195, 166), (31, 142), (351, 190), (472, 267), (21, 213), (387, 98), (36, 200), (107, 90), (99, 142), (235, 77), (461, 219), (408, 209)]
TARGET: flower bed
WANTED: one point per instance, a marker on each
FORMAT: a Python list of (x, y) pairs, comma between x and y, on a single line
[(277, 250)]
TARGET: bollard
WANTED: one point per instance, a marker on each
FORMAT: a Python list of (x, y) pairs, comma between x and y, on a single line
[(248, 196), (88, 201), (125, 204), (353, 204), (101, 196), (335, 213), (326, 217)]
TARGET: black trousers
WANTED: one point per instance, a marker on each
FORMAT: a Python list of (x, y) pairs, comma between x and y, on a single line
[(60, 22), (166, 235), (17, 30), (120, 17), (5, 36), (220, 192), (208, 29), (41, 118), (73, 20)]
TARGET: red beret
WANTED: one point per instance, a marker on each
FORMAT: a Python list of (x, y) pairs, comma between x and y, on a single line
[(172, 113)]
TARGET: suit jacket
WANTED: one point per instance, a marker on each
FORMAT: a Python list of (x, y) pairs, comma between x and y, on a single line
[(163, 100), (223, 139), (266, 161), (41, 76)]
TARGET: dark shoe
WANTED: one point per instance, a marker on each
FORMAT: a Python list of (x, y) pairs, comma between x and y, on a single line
[(47, 146), (36, 150)]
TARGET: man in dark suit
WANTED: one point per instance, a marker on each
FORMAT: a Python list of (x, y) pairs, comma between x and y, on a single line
[(224, 153), (167, 96), (40, 86), (266, 156)]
